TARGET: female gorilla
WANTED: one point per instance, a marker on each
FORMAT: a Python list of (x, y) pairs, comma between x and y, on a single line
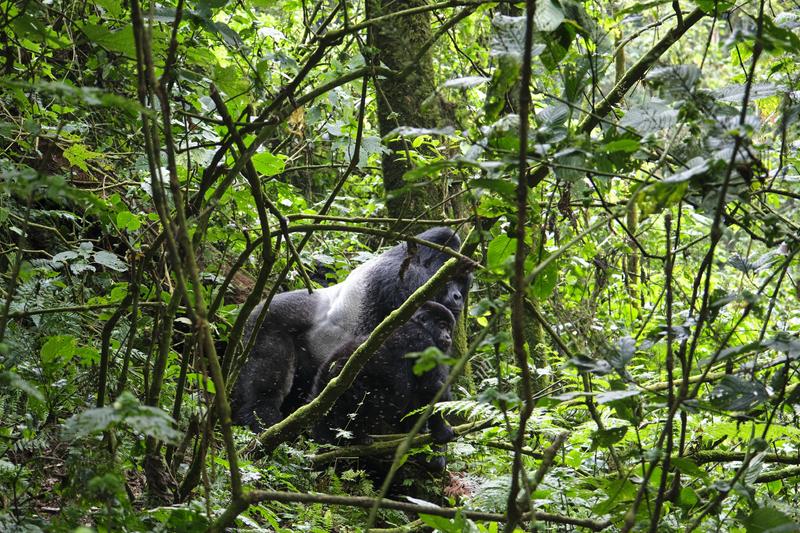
[(301, 329)]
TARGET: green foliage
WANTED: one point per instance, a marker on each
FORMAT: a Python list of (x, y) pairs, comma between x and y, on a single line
[(126, 410), (676, 380)]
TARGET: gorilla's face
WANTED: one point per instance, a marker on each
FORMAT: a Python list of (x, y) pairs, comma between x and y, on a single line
[(455, 293), (437, 322), (443, 338)]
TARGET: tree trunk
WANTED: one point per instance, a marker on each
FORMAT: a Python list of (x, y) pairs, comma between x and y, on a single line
[(404, 102)]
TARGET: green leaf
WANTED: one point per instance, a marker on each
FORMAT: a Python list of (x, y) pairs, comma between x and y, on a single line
[(737, 394), (268, 164), (116, 41), (91, 421), (545, 281), (503, 187), (769, 520), (777, 39), (88, 355), (428, 359), (657, 196), (603, 438), (621, 145), (735, 93), (210, 4), (587, 364), (715, 7), (622, 353), (9, 379), (145, 419), (650, 117), (39, 31), (501, 251), (615, 395), (110, 260), (440, 523), (128, 221), (58, 348), (64, 257), (78, 154), (503, 79), (548, 15), (688, 467)]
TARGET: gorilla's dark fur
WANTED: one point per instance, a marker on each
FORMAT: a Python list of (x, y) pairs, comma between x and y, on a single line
[(301, 330), (386, 389)]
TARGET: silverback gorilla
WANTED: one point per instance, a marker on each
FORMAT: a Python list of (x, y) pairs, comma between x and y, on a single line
[(301, 330), (386, 389)]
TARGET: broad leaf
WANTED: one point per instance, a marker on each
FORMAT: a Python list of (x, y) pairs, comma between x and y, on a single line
[(734, 393)]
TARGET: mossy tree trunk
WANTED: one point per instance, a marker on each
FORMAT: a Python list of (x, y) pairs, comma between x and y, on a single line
[(409, 101)]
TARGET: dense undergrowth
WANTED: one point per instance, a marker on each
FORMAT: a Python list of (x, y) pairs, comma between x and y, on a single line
[(636, 286)]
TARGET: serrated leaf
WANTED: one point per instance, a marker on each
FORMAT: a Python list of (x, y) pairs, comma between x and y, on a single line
[(769, 520), (110, 260), (735, 93), (79, 267), (675, 81), (92, 421), (734, 393), (552, 115), (508, 37), (79, 154), (650, 118), (145, 419), (63, 257), (154, 423), (268, 164), (548, 16), (623, 352)]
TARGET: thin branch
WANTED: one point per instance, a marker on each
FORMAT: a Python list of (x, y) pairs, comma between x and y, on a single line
[(514, 501), (258, 496)]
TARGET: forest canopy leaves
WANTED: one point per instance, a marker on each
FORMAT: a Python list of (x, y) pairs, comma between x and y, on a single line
[(626, 358)]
